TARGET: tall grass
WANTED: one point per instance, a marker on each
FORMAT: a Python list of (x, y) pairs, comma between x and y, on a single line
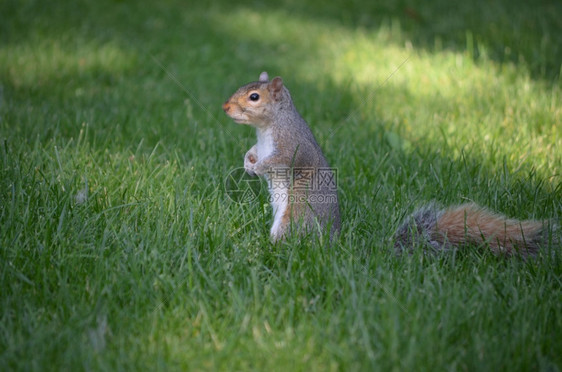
[(121, 249)]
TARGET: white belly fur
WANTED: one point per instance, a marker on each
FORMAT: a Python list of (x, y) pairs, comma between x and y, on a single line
[(279, 201), (278, 192), (265, 143)]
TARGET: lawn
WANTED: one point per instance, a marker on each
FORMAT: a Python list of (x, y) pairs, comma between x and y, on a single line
[(121, 248)]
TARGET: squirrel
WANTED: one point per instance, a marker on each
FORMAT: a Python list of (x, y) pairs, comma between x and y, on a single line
[(302, 186), (289, 157)]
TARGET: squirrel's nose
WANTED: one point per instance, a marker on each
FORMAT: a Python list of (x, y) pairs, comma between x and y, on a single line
[(226, 107)]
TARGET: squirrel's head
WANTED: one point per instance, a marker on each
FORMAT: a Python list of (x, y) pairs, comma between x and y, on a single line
[(257, 103)]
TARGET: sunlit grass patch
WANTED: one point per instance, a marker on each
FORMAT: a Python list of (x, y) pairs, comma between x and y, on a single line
[(43, 61), (440, 97)]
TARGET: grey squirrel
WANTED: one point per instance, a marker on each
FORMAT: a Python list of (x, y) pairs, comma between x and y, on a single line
[(302, 186), (288, 156)]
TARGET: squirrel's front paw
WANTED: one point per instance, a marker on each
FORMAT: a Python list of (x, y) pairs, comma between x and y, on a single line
[(250, 161)]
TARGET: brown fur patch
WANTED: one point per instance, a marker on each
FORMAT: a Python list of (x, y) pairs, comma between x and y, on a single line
[(474, 224)]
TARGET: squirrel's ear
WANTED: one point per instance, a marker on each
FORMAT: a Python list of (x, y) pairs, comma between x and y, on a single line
[(264, 77), (276, 84)]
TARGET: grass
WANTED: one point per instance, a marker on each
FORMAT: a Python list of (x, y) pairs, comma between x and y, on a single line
[(120, 249)]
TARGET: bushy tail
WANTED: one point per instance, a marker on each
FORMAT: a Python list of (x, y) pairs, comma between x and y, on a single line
[(472, 224)]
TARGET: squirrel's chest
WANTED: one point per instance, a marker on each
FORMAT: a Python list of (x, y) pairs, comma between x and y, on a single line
[(265, 145)]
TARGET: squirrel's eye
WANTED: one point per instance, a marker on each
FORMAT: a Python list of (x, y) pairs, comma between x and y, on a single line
[(254, 97)]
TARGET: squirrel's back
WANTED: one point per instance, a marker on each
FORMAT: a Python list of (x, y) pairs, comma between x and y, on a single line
[(469, 223)]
